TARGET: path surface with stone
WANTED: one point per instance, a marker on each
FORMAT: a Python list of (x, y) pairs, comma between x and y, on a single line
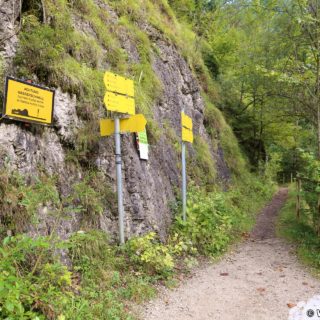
[(256, 281)]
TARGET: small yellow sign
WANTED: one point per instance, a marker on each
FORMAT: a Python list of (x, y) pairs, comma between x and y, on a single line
[(187, 135), (135, 123), (118, 84), (186, 121), (28, 102), (119, 103), (106, 127)]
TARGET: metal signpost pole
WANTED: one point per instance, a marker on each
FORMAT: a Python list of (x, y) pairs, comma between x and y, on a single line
[(184, 180), (119, 178), (119, 98)]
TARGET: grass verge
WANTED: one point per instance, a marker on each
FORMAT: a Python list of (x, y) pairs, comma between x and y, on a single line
[(300, 232), (102, 280)]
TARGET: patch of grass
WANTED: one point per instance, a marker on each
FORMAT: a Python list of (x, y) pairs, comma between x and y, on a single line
[(300, 232), (108, 280), (90, 197), (154, 131), (221, 132), (202, 166), (172, 137), (34, 284), (20, 201), (245, 188)]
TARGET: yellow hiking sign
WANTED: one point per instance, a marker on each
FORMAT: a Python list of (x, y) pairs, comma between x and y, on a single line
[(118, 84), (120, 94), (28, 102), (186, 123), (136, 123), (119, 103)]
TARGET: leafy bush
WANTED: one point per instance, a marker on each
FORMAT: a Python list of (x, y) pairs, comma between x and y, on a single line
[(216, 218), (300, 231), (108, 278), (153, 256), (209, 222), (310, 177), (33, 284)]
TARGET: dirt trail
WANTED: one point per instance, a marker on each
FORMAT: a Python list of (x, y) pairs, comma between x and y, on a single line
[(255, 281)]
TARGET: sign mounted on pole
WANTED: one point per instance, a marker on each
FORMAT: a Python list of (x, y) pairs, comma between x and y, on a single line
[(119, 103), (28, 102), (120, 94), (143, 144), (135, 123), (119, 98), (106, 127), (187, 136), (186, 123), (118, 84)]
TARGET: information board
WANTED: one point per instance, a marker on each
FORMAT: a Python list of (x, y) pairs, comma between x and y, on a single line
[(28, 102)]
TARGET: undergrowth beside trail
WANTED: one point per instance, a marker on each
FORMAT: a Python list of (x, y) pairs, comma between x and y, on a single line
[(97, 279), (300, 232), (105, 279)]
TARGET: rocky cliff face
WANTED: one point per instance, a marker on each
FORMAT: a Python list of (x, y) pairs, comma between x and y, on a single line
[(149, 186)]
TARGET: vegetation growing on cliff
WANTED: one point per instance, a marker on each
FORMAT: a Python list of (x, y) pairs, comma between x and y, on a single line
[(240, 66), (75, 60)]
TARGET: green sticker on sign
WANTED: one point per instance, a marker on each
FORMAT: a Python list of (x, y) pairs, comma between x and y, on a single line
[(143, 137)]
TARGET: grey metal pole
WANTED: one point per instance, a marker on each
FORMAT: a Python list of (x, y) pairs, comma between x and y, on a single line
[(184, 182), (119, 178)]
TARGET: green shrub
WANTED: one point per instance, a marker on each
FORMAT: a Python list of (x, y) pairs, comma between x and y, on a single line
[(209, 221), (88, 200), (33, 284), (108, 278), (153, 256), (309, 174), (216, 218), (300, 231)]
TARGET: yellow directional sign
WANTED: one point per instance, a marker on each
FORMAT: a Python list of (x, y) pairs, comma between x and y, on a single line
[(187, 135), (106, 127), (118, 84), (186, 123), (119, 103), (28, 102), (135, 123)]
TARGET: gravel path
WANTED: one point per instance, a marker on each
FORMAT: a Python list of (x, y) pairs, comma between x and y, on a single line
[(256, 281)]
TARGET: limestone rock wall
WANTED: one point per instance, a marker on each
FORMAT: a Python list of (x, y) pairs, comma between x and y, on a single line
[(149, 186)]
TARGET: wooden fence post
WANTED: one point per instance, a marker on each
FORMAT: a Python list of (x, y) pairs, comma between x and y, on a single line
[(298, 189), (318, 227)]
